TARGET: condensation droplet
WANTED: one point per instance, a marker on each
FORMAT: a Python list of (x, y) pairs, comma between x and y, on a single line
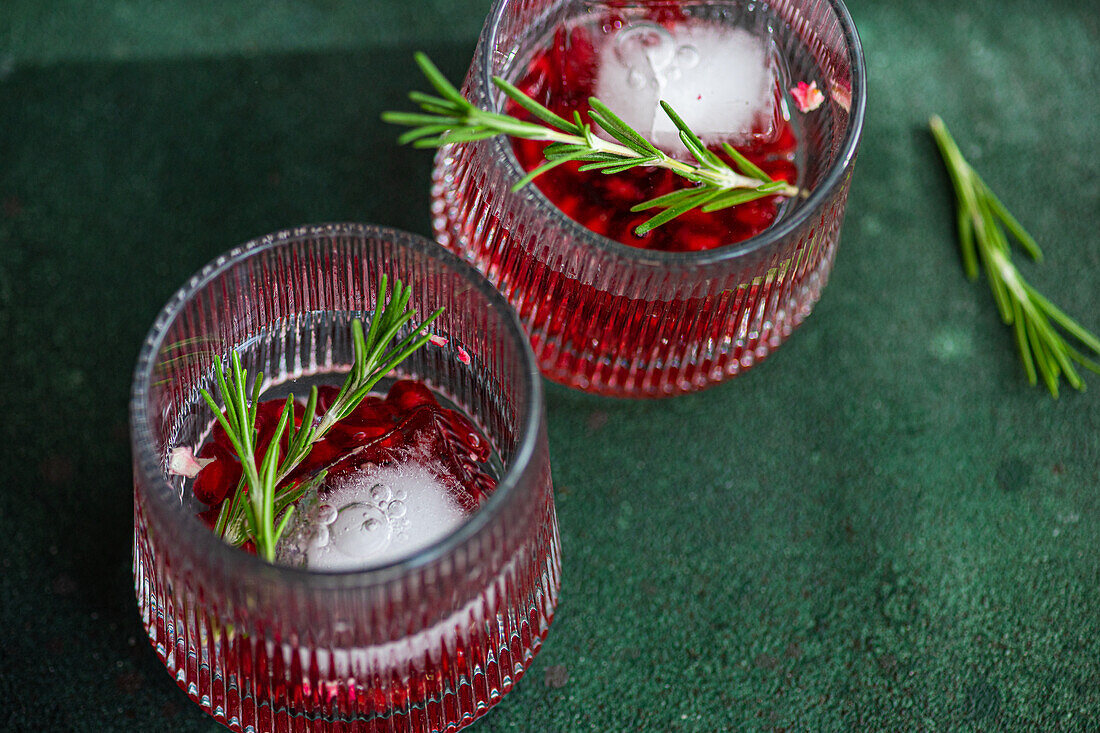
[(399, 494), (396, 509)]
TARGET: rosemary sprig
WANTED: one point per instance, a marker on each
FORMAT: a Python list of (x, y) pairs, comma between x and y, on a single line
[(260, 508), (984, 225), (451, 118)]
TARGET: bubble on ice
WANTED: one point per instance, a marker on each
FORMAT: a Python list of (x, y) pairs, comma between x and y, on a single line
[(718, 79), (360, 531), (326, 514), (371, 527)]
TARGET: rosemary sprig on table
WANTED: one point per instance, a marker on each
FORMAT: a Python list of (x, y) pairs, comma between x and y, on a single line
[(451, 118), (982, 224), (260, 509)]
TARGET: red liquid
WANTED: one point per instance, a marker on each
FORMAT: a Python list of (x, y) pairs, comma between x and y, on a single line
[(618, 324), (249, 683), (562, 78), (375, 433)]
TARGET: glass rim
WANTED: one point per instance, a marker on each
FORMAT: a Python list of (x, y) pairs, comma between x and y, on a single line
[(661, 258), (237, 562)]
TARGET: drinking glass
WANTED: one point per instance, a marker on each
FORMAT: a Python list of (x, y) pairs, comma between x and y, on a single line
[(618, 320), (428, 642)]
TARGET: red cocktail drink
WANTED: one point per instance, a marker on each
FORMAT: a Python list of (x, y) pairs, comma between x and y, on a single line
[(394, 476), (707, 295), (385, 620)]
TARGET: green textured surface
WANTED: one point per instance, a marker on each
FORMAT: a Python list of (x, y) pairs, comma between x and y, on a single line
[(880, 527)]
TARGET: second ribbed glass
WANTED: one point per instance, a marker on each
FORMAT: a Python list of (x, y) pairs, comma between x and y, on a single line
[(424, 643), (610, 318)]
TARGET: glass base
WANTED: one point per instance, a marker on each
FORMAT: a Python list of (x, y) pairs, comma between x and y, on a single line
[(734, 355), (441, 678)]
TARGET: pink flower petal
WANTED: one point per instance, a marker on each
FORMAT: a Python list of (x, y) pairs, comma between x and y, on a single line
[(841, 95), (807, 96), (183, 462), (463, 356), (437, 340)]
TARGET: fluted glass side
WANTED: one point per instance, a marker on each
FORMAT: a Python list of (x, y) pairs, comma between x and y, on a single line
[(428, 643), (612, 319)]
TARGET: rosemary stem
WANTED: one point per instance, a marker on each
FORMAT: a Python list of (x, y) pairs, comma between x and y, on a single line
[(719, 178), (984, 226), (258, 509), (452, 119)]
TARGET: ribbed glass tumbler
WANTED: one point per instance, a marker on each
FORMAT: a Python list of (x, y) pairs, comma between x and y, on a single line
[(610, 318), (426, 643)]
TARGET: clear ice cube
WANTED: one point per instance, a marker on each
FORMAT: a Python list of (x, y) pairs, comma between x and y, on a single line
[(371, 526), (718, 79)]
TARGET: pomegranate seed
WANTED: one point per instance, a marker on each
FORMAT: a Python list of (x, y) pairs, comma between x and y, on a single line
[(406, 394), (218, 479)]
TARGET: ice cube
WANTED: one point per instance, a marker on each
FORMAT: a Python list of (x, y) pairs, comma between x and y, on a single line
[(718, 79), (383, 513)]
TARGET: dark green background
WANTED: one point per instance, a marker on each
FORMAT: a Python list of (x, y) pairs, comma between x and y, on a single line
[(880, 527)]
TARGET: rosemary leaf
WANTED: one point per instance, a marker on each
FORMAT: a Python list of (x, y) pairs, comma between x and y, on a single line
[(984, 225), (259, 510), (537, 109), (743, 164), (438, 81), (669, 199), (693, 142), (548, 165), (734, 198), (701, 197), (602, 115), (451, 119)]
